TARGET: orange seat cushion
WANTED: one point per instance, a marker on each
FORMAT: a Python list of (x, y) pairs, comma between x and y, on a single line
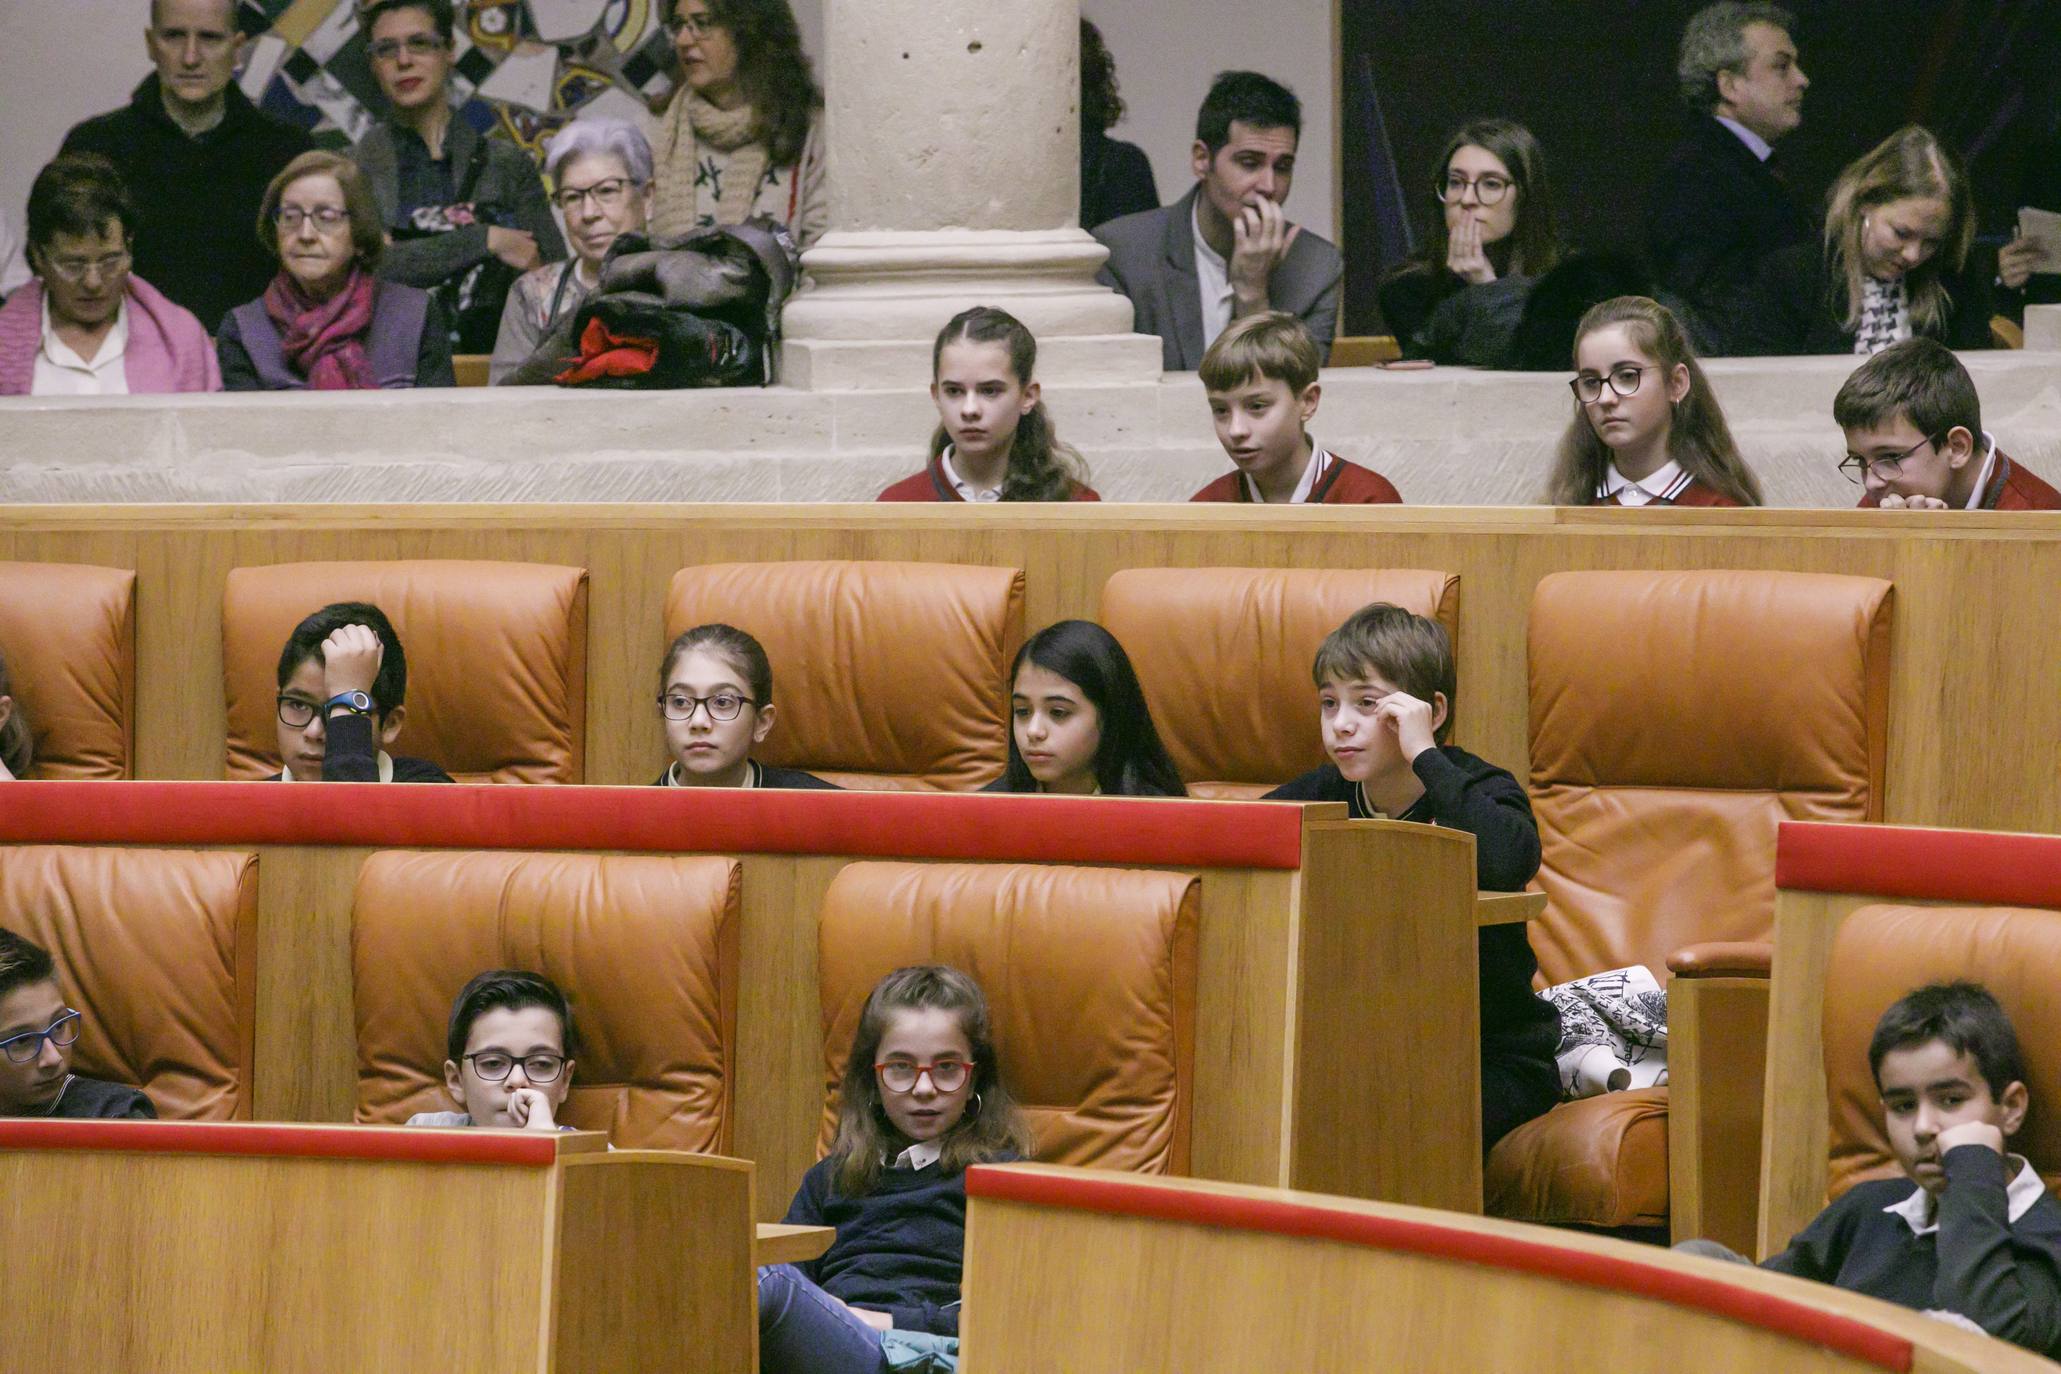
[(68, 633), (1598, 1161)]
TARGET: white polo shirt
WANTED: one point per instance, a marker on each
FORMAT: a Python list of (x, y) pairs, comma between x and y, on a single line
[(1664, 483), (60, 371), (1213, 275)]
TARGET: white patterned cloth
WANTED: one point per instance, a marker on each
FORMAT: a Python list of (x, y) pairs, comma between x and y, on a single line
[(1885, 316)]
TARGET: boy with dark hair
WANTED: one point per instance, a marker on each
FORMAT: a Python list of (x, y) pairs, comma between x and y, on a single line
[(1912, 422), (1969, 1229), (37, 1032), (510, 1046), (1226, 249), (343, 686), (1385, 685), (1261, 377)]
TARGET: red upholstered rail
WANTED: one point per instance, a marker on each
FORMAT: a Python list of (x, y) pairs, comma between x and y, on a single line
[(902, 825), (1975, 866), (446, 1146), (1129, 1197)]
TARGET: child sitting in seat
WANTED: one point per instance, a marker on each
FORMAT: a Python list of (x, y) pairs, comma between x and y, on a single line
[(17, 742), (1915, 441), (343, 681), (37, 1032), (1078, 720), (510, 1046), (715, 691), (921, 1099), (1385, 683), (1261, 377)]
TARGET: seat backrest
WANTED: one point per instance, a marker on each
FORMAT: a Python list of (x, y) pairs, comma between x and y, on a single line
[(68, 633), (645, 948), (1090, 981), (1676, 719), (497, 660), (1224, 655), (1885, 950), (887, 675), (158, 947)]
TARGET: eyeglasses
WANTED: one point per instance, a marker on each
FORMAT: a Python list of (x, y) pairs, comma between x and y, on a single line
[(721, 706), (296, 712), (697, 26), (1588, 388), (73, 270), (493, 1066), (946, 1075), (1857, 466), (416, 44), (327, 218), (1488, 188), (21, 1049), (609, 194)]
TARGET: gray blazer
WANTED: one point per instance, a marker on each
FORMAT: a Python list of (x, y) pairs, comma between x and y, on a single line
[(1152, 260), (509, 180)]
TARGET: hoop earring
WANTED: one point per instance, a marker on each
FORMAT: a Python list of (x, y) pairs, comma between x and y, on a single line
[(975, 1113)]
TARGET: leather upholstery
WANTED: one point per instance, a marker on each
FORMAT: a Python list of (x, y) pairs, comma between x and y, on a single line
[(68, 633), (1597, 1161), (1090, 979), (158, 947), (886, 675), (645, 947), (497, 660), (1882, 952), (1224, 655)]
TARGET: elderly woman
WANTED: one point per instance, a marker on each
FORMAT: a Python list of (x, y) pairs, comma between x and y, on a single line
[(326, 323), (742, 135), (600, 170), (87, 325)]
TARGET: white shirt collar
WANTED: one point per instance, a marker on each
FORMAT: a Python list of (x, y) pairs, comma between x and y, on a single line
[(1989, 470), (1312, 470), (1664, 483), (1921, 1212), (1755, 144), (61, 354), (967, 491), (751, 774), (386, 769), (1213, 279), (921, 1155)]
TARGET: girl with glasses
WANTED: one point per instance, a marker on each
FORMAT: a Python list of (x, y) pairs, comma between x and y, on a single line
[(37, 1033), (715, 696), (1461, 299), (921, 1099), (1647, 428)]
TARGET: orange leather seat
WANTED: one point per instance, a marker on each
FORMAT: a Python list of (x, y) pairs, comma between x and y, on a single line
[(644, 947), (1224, 655), (158, 947), (68, 632), (497, 660), (887, 675), (1726, 703), (1090, 980)]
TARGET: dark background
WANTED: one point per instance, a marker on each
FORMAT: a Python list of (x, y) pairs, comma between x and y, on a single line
[(1594, 81)]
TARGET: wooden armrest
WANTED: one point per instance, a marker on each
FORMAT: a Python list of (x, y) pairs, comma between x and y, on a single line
[(777, 1243), (1508, 908), (1723, 959)]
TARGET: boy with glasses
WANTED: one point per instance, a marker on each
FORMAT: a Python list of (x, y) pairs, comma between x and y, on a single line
[(37, 1032), (510, 1047), (1915, 441), (343, 682)]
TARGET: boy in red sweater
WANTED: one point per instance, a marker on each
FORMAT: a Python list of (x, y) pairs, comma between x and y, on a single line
[(1914, 437)]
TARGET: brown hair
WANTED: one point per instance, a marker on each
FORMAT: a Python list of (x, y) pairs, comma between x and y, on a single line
[(1921, 380), (744, 653), (1040, 467), (367, 235), (1697, 438), (1273, 344), (1534, 242), (1910, 162), (1411, 651), (17, 741), (992, 1128)]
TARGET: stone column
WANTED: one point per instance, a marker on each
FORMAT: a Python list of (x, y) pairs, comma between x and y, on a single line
[(954, 163)]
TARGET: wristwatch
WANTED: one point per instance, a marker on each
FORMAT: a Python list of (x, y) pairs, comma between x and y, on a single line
[(357, 703)]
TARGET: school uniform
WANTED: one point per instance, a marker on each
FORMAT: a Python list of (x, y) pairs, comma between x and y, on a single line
[(2001, 484), (1520, 1031), (757, 774), (940, 481), (1987, 1249), (349, 754), (1328, 480), (91, 1099), (1667, 485)]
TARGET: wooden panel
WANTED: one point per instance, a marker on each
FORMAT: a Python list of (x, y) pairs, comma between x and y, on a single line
[(1243, 1011), (307, 1037), (774, 1243), (1507, 908), (1717, 1075)]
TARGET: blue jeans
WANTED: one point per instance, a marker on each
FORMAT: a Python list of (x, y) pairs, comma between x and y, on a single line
[(803, 1330)]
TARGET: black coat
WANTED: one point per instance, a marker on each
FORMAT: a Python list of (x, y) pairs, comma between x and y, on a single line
[(1116, 179), (1795, 307)]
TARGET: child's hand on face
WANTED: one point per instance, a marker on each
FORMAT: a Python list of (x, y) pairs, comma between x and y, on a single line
[(1971, 1133), (1894, 502), (531, 1110), (1411, 721), (350, 660)]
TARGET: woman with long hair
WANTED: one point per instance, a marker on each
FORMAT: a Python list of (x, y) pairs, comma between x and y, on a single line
[(1078, 720), (1116, 177)]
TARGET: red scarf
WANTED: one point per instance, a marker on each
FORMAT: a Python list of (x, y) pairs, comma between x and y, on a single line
[(324, 341)]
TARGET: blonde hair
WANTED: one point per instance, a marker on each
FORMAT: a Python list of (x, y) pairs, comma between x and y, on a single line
[(1910, 162), (1272, 344), (1698, 439)]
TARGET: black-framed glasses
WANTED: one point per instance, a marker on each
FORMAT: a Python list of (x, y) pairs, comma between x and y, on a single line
[(1588, 388), (24, 1048), (328, 218), (415, 44), (721, 706), (609, 194), (946, 1075), (492, 1066), (296, 712), (1857, 466), (1488, 187), (697, 25)]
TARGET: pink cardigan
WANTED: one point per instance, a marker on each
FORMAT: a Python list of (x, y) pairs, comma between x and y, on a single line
[(168, 350)]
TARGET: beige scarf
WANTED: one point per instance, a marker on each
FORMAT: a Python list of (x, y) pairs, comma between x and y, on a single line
[(676, 140)]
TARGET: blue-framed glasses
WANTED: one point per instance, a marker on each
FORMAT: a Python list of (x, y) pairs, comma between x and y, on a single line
[(21, 1049)]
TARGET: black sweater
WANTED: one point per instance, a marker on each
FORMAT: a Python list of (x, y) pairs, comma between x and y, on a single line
[(765, 775), (83, 1099), (350, 754), (1462, 792), (2003, 1275)]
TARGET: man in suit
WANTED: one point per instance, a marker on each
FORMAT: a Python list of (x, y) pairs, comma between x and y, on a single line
[(1226, 249), (1719, 208)]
